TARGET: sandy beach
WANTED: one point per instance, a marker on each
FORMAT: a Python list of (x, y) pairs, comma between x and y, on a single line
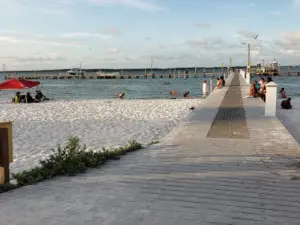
[(38, 128)]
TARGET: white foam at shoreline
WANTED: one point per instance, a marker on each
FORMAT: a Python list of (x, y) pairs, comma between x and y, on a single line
[(98, 123)]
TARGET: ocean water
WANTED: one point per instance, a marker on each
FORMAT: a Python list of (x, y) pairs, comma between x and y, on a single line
[(151, 88), (141, 88)]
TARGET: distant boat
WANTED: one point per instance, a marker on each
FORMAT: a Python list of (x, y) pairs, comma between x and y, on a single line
[(76, 71)]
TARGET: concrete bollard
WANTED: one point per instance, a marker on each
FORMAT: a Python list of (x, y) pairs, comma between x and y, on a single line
[(211, 85), (5, 150), (271, 99)]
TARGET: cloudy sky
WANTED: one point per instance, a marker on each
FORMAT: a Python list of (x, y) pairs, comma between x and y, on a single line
[(50, 34)]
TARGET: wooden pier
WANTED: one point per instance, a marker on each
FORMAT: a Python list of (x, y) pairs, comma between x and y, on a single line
[(129, 76), (95, 76)]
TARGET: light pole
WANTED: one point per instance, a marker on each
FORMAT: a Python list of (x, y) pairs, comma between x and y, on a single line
[(4, 70), (249, 50), (80, 67)]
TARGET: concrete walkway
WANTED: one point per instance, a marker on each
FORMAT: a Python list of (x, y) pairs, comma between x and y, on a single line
[(196, 175)]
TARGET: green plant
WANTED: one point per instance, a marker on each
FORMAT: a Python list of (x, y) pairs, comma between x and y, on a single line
[(154, 142), (70, 160), (7, 187)]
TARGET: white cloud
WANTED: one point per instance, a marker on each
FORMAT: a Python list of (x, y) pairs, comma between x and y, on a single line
[(9, 31), (162, 46), (140, 4), (8, 39), (113, 50), (113, 31), (34, 58), (85, 35), (247, 34)]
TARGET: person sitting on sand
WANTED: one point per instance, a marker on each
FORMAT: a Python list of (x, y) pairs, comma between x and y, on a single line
[(187, 95), (29, 98), (173, 93), (122, 95), (17, 98), (253, 92), (40, 96), (286, 104), (282, 93)]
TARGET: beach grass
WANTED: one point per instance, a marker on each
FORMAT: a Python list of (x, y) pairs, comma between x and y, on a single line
[(69, 160)]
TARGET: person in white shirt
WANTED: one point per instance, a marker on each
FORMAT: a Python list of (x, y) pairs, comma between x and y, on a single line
[(204, 89)]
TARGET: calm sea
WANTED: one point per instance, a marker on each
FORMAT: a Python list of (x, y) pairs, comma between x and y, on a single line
[(133, 88)]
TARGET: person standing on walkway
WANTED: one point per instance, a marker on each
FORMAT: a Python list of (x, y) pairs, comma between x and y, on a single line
[(204, 89)]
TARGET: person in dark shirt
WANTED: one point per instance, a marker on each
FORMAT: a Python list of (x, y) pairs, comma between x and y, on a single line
[(223, 81), (286, 104), (29, 98)]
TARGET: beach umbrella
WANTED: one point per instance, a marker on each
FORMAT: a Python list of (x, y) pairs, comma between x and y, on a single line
[(18, 84)]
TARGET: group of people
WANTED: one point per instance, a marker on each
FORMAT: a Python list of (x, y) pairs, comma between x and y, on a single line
[(258, 89), (186, 94), (220, 82), (39, 97)]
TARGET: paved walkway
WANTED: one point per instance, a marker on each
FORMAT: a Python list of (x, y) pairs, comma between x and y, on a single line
[(189, 178)]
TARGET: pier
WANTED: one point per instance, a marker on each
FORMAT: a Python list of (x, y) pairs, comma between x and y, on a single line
[(230, 164), (129, 76), (95, 76)]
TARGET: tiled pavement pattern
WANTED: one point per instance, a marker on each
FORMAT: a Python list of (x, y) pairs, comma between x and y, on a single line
[(188, 179), (230, 121)]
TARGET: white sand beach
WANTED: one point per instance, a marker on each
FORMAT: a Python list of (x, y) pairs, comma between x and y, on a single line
[(38, 128)]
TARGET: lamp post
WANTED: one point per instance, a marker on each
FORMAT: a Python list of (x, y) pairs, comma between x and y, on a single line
[(249, 62)]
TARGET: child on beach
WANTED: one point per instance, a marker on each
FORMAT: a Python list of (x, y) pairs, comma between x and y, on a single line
[(122, 95)]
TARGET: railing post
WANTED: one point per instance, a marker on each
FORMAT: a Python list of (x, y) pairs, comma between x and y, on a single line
[(271, 99), (5, 151), (211, 85)]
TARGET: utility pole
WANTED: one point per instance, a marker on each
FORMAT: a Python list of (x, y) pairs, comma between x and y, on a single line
[(4, 70), (151, 67), (249, 63)]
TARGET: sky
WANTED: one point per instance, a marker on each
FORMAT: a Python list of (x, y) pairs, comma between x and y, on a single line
[(55, 34)]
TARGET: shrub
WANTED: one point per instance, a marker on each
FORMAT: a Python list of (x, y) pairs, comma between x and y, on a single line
[(6, 187), (71, 160)]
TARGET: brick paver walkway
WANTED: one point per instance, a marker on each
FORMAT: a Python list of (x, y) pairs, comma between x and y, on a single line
[(188, 179)]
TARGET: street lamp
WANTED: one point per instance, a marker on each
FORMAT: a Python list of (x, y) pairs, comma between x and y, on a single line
[(249, 49)]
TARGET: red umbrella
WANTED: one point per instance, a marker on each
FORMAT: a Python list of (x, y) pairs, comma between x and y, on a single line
[(15, 84)]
